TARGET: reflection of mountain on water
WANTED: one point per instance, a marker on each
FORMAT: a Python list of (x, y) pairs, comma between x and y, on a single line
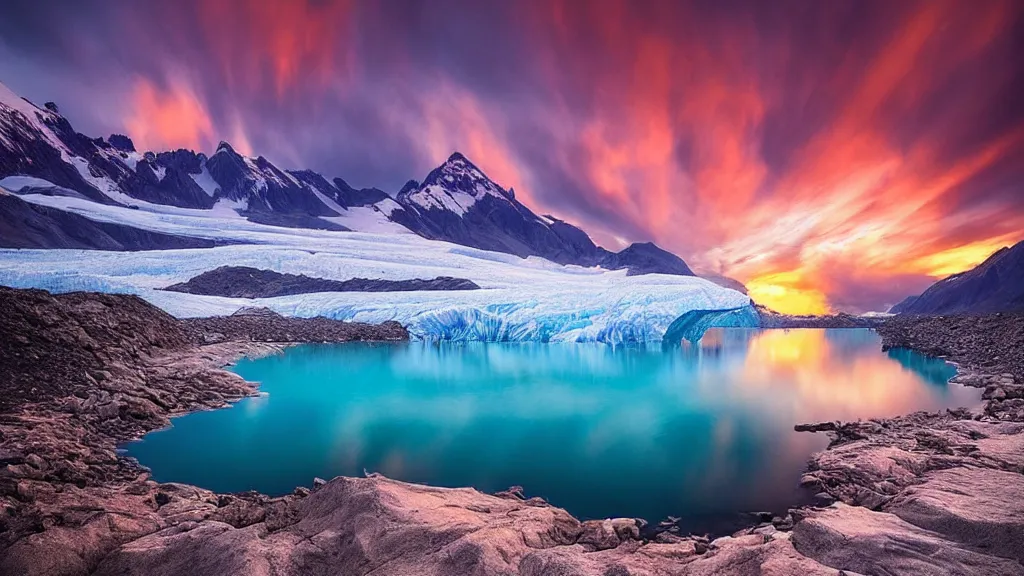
[(932, 370)]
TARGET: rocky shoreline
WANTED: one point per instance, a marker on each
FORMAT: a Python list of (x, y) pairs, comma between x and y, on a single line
[(918, 494), (772, 319)]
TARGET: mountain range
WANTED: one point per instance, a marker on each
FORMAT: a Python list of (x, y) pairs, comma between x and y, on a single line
[(995, 285), (40, 152)]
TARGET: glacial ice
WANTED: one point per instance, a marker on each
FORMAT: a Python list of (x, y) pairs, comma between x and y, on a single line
[(529, 299), (692, 325)]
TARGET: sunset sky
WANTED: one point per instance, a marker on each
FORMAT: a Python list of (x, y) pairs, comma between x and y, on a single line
[(829, 154)]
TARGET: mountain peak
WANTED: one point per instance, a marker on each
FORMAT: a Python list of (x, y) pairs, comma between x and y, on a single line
[(995, 285), (458, 173), (457, 164), (342, 185), (121, 142), (225, 147), (457, 157), (408, 188)]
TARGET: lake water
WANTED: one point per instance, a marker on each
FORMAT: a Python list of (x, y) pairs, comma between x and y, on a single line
[(700, 432)]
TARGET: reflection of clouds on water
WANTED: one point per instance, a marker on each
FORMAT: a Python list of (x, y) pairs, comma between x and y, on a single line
[(815, 375), (603, 431), (770, 379)]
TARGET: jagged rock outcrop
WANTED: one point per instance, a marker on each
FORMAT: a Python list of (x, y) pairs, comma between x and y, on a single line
[(121, 142), (247, 282)]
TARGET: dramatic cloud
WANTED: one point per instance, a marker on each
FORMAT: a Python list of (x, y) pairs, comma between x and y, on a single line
[(171, 119), (831, 155)]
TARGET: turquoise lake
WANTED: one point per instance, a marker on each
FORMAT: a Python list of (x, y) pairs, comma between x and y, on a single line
[(703, 432)]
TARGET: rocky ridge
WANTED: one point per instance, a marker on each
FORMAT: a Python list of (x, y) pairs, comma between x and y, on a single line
[(247, 282), (921, 494), (265, 325), (26, 225)]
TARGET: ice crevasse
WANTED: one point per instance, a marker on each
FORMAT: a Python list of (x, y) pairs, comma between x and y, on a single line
[(529, 299)]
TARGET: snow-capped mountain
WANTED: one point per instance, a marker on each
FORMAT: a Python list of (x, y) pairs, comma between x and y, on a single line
[(456, 202)]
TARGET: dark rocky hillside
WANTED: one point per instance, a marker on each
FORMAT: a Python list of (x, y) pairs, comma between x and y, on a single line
[(995, 285), (992, 342), (644, 258), (25, 225), (57, 346), (246, 282)]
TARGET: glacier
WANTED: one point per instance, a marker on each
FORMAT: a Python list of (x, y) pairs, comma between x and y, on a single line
[(521, 299)]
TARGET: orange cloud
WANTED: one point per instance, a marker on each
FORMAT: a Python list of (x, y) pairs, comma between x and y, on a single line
[(954, 260), (168, 118), (854, 200), (672, 144), (286, 45), (782, 292)]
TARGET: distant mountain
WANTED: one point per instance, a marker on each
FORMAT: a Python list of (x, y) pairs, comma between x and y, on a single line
[(903, 305), (995, 285), (456, 202)]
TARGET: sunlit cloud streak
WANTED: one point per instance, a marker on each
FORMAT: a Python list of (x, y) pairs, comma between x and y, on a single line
[(837, 155)]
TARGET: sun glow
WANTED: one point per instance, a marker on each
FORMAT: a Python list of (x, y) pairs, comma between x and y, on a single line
[(782, 292)]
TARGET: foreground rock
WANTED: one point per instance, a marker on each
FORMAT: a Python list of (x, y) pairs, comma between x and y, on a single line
[(950, 485), (947, 489), (247, 282)]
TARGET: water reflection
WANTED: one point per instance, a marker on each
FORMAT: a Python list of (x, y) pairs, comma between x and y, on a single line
[(700, 431)]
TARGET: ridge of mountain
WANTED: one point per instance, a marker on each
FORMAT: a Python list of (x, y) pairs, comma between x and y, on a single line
[(456, 202), (995, 285)]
